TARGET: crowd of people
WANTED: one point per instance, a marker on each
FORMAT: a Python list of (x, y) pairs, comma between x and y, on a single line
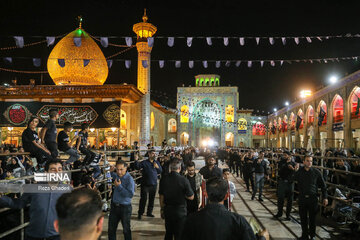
[(194, 204)]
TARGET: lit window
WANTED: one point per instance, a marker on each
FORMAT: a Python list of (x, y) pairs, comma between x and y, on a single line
[(172, 125), (184, 116), (229, 113), (152, 121)]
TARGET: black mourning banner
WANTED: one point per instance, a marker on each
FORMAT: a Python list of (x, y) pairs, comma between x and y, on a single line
[(97, 115)]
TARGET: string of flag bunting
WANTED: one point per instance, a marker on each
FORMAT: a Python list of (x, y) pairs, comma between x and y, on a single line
[(242, 40), (192, 63)]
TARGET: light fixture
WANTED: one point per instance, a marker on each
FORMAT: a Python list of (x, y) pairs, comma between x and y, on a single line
[(305, 93), (92, 129), (211, 142), (113, 129), (275, 109), (10, 128), (286, 103), (333, 79)]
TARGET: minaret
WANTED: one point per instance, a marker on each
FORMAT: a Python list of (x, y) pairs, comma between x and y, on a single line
[(144, 30)]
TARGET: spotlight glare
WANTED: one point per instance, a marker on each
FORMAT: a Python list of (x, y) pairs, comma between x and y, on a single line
[(333, 79), (286, 103), (275, 109)]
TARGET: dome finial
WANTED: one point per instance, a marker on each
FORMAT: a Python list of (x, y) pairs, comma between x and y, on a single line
[(79, 18), (145, 18)]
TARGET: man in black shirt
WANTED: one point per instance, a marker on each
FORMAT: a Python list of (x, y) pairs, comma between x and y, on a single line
[(286, 184), (48, 133), (260, 169), (173, 191), (31, 143), (248, 159), (214, 221), (308, 180), (65, 145), (195, 180), (82, 144), (210, 170)]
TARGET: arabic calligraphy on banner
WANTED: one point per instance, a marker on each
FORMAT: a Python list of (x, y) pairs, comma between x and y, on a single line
[(97, 115), (74, 114)]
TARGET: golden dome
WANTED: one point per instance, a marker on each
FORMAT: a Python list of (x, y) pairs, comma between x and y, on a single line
[(74, 72)]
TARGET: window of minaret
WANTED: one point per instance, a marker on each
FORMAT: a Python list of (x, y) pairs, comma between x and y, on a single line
[(184, 116), (229, 113), (123, 120), (152, 121)]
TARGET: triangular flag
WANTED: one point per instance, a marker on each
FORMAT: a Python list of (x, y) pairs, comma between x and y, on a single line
[(319, 38), (281, 62), (177, 64), (161, 63), (249, 64), (283, 39), (77, 41), (61, 62), (296, 39), (257, 40), (205, 64), (86, 62), (128, 63), (170, 41), (226, 41), (237, 64), (308, 39), (189, 41), (19, 41), (261, 63), (271, 40), (8, 59), (37, 62), (191, 64), (128, 41), (242, 41), (104, 42), (272, 63), (150, 41), (208, 40), (144, 63), (227, 64), (50, 41), (217, 64), (109, 63)]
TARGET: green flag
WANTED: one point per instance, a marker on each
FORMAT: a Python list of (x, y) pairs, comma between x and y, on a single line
[(357, 106)]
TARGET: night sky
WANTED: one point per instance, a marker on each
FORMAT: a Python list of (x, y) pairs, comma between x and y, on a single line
[(259, 88)]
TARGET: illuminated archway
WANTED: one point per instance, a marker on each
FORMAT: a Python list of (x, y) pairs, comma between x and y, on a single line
[(172, 125), (229, 139), (184, 139), (338, 109), (184, 116), (229, 113), (123, 119), (354, 100), (322, 107), (258, 129), (285, 124), (310, 115), (292, 121), (152, 121), (301, 115)]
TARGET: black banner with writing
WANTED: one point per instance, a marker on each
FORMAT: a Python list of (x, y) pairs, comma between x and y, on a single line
[(97, 115)]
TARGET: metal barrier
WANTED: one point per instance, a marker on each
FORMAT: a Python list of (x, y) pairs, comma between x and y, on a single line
[(275, 160), (104, 181)]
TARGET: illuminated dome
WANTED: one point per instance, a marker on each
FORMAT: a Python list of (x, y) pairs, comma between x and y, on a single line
[(70, 65)]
